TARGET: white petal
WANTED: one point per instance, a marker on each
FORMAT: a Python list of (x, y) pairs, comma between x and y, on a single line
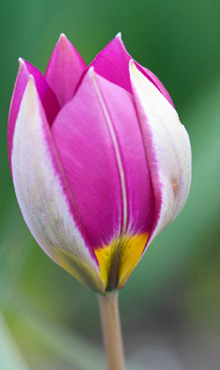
[(167, 149), (39, 186)]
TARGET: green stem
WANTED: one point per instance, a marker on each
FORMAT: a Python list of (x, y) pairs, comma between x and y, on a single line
[(111, 329)]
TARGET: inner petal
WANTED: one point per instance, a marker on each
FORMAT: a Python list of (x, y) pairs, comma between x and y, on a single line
[(112, 63), (140, 201), (107, 173), (64, 70), (87, 154)]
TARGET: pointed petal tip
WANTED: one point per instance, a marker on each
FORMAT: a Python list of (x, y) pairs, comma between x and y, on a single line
[(132, 64), (91, 72), (132, 69), (119, 36), (62, 38), (135, 73), (62, 41), (22, 65), (31, 79), (31, 87), (62, 35), (21, 61)]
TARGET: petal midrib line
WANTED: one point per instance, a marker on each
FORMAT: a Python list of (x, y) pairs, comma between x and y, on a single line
[(118, 157), (113, 273)]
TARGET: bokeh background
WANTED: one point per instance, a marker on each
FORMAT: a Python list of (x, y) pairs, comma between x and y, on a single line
[(170, 307)]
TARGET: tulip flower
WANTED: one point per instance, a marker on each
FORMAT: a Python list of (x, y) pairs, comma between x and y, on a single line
[(100, 162)]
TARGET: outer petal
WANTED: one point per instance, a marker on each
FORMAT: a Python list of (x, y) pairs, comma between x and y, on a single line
[(101, 148), (86, 144), (64, 70), (167, 149), (43, 194), (113, 64), (102, 152), (47, 97), (139, 191)]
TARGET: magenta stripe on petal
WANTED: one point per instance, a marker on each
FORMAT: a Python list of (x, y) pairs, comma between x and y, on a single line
[(84, 142), (94, 169), (64, 70), (47, 97), (139, 191)]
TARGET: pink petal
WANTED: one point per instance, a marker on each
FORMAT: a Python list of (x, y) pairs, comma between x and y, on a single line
[(102, 153), (113, 64), (64, 70), (47, 97), (139, 191), (87, 153)]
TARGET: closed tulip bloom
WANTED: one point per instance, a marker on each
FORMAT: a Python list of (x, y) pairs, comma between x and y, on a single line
[(99, 159)]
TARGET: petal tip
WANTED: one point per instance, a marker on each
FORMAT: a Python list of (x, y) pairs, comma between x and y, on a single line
[(31, 85), (22, 65), (62, 35), (119, 36), (62, 38), (31, 78), (21, 61), (132, 67), (91, 71)]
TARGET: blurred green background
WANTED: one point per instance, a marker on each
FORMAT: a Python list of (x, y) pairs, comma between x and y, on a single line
[(170, 307)]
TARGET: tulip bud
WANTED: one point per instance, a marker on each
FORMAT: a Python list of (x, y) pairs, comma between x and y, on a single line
[(99, 159)]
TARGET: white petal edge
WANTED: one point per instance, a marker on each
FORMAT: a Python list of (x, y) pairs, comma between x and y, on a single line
[(38, 186), (167, 148)]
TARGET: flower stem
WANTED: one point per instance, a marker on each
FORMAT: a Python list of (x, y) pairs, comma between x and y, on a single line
[(111, 329)]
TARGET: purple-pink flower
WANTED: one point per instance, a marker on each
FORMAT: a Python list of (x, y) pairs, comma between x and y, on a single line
[(100, 161)]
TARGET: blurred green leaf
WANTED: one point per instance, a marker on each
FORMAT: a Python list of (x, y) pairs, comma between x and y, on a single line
[(63, 342), (10, 356)]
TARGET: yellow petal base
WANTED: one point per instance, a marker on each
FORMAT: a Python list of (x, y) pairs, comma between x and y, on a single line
[(117, 260)]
